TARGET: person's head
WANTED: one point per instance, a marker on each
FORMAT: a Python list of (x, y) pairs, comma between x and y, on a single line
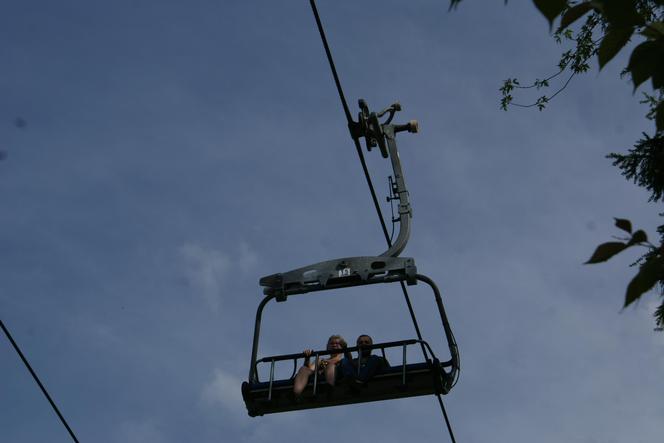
[(364, 340), (336, 342)]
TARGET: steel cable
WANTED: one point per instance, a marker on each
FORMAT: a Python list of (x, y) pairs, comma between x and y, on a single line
[(41, 386)]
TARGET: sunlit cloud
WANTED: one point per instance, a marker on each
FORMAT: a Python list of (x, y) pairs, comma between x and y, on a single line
[(208, 270), (146, 431), (223, 390), (248, 258)]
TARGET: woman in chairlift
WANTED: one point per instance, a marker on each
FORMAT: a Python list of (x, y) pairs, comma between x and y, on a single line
[(327, 366)]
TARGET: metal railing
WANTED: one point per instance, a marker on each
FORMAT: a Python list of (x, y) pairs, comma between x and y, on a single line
[(272, 360)]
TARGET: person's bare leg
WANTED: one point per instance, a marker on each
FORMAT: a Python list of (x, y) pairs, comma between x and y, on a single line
[(331, 374), (301, 379)]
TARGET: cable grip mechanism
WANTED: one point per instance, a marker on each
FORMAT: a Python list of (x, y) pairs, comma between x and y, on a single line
[(374, 132)]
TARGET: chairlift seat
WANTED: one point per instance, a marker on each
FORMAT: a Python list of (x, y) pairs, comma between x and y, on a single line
[(420, 379)]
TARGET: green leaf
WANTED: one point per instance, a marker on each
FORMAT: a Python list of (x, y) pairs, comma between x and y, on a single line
[(454, 4), (659, 317), (650, 273), (614, 40), (659, 117), (638, 237), (658, 77), (624, 224), (653, 30), (642, 62), (550, 8), (620, 13), (605, 251), (574, 13), (658, 68)]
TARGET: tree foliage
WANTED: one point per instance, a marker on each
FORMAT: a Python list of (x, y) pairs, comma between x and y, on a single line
[(602, 29)]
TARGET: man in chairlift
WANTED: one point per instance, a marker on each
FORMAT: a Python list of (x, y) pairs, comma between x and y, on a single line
[(369, 364)]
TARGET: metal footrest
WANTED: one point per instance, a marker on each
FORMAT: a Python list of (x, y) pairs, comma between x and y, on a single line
[(420, 379)]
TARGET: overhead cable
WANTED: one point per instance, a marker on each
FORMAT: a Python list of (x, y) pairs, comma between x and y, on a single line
[(41, 386)]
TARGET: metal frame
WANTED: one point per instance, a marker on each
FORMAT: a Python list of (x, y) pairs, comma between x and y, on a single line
[(453, 363), (398, 381), (340, 273), (383, 135), (355, 271)]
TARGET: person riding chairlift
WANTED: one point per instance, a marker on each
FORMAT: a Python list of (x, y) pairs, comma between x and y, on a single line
[(369, 364), (327, 366)]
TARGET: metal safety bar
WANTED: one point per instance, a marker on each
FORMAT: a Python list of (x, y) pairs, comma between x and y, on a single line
[(318, 354), (324, 352), (316, 372), (403, 379), (269, 396)]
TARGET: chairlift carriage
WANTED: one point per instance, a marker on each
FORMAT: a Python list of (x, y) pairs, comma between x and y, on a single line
[(405, 378)]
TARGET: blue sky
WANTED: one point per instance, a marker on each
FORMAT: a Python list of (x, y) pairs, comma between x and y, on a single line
[(173, 154)]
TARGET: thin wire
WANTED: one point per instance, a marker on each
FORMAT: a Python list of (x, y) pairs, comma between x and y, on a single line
[(41, 386), (447, 420), (329, 58)]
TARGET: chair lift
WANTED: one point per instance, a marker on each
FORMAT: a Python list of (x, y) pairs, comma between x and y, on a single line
[(403, 380)]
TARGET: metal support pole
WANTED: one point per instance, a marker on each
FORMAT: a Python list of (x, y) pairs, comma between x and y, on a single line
[(404, 206), (316, 373), (253, 371), (403, 370), (451, 342), (269, 393)]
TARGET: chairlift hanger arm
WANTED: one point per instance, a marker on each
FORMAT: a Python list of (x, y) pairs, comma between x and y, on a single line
[(355, 271), (383, 135)]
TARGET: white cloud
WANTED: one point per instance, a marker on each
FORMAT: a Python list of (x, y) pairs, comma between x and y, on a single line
[(248, 258), (223, 390), (206, 269), (221, 396), (146, 431)]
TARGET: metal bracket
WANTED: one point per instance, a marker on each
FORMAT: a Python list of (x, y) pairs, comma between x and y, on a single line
[(340, 273)]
